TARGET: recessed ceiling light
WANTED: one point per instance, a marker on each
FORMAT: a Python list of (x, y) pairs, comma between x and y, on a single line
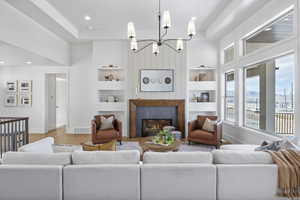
[(268, 29), (2, 62), (28, 62), (87, 18)]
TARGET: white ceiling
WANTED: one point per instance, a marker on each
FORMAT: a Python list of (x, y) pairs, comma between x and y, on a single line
[(109, 20), (112, 16), (15, 56)]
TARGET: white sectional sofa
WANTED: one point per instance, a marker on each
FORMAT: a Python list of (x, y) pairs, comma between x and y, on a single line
[(103, 175), (32, 176), (220, 175), (177, 176)]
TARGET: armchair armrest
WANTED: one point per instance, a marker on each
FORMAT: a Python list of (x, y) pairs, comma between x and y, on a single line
[(118, 127), (94, 130), (192, 125)]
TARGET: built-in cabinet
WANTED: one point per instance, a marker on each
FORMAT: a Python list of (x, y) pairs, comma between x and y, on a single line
[(201, 91)]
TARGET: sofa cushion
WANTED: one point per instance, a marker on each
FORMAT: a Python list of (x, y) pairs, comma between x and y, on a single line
[(40, 146), (239, 147), (107, 134), (178, 157), (106, 157), (29, 158), (201, 134), (241, 157)]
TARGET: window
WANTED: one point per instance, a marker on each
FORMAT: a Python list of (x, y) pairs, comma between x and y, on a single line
[(278, 30), (229, 96), (269, 96), (229, 54)]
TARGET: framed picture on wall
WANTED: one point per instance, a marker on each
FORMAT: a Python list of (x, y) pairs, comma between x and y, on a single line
[(25, 86), (157, 80), (10, 100), (12, 86), (25, 99)]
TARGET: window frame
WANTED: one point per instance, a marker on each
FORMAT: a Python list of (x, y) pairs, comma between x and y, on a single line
[(225, 95), (244, 72), (231, 45), (263, 27)]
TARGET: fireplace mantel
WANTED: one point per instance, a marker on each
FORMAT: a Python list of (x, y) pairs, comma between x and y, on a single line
[(134, 103)]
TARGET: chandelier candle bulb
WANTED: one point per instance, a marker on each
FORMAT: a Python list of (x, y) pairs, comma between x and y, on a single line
[(179, 45), (133, 45), (166, 19), (192, 27), (131, 30), (155, 48)]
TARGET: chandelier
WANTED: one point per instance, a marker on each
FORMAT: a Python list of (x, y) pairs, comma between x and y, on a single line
[(163, 23)]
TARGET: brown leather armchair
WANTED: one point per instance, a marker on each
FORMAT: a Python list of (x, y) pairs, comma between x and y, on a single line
[(102, 136), (197, 134)]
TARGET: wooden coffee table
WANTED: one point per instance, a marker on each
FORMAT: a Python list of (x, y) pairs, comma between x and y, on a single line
[(147, 145)]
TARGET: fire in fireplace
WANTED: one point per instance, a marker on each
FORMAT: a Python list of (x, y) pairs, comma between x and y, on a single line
[(151, 127)]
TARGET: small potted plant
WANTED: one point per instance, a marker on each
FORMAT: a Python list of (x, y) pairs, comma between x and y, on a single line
[(164, 137)]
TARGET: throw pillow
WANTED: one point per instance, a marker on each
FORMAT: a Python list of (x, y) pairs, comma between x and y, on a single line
[(109, 146), (107, 123), (209, 125), (278, 145)]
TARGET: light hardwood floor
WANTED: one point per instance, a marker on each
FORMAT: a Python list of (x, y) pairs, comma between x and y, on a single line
[(61, 137)]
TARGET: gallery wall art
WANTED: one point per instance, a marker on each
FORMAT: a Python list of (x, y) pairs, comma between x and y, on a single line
[(157, 80), (18, 93)]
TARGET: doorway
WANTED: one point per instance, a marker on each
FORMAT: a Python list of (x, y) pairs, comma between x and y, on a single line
[(56, 101)]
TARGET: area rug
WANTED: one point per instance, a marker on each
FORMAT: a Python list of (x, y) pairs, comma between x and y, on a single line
[(183, 147)]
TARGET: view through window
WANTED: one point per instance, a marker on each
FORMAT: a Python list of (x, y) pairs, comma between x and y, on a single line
[(269, 88), (229, 96)]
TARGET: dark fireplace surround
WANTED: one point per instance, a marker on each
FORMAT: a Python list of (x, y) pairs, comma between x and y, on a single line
[(141, 110)]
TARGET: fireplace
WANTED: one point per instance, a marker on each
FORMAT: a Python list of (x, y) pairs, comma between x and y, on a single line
[(170, 110), (151, 127)]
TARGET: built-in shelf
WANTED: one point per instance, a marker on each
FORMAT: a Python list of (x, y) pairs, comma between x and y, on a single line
[(110, 85), (203, 107), (202, 85), (110, 68), (110, 106)]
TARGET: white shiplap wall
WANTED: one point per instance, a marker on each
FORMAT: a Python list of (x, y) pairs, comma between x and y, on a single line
[(166, 59)]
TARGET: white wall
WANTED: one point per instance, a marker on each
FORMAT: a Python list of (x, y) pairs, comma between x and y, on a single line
[(166, 59), (82, 88), (82, 79), (37, 112), (21, 31), (235, 131)]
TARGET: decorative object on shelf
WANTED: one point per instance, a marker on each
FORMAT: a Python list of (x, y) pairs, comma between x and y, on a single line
[(111, 77), (25, 86), (12, 86), (164, 23), (110, 66), (204, 97), (110, 99), (11, 100), (157, 80)]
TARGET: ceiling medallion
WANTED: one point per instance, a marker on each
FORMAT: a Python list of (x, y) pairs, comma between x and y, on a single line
[(164, 23)]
